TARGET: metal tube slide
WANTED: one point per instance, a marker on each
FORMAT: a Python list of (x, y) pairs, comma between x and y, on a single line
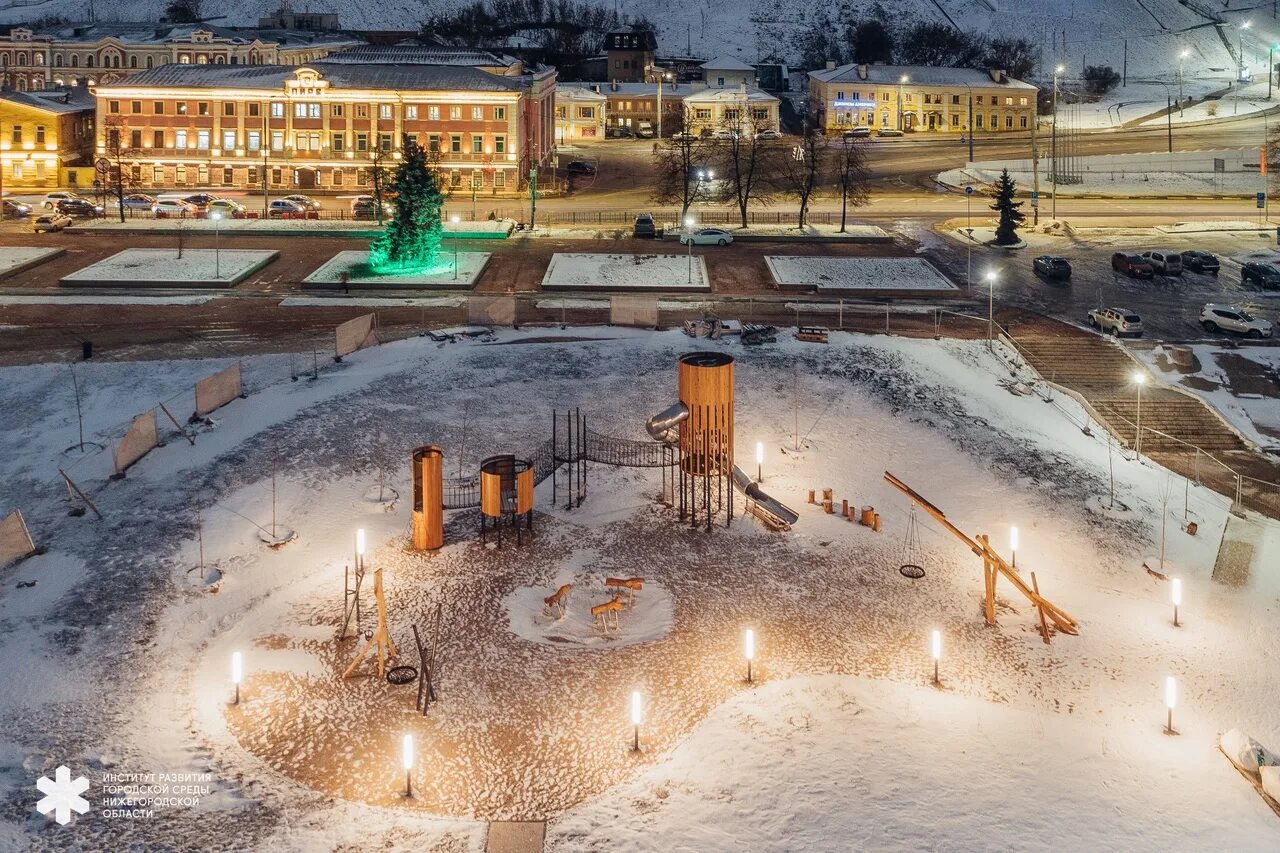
[(751, 489), (665, 426)]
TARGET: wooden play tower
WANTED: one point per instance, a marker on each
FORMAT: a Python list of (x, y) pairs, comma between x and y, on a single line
[(704, 382), (506, 492), (428, 498)]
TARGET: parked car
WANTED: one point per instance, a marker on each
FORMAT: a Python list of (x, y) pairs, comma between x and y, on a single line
[(15, 209), (1265, 276), (52, 199), (768, 134), (644, 130), (1116, 321), (644, 226), (889, 131), (620, 131), (1052, 266), (366, 207), (50, 222), (1227, 318), (725, 134), (1198, 261), (200, 201), (281, 208), (172, 207), (683, 134), (305, 200), (78, 207), (139, 201), (1134, 266), (226, 208), (1164, 262), (857, 132), (707, 237), (580, 167)]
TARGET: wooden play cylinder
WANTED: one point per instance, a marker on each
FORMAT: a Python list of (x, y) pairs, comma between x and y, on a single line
[(704, 381), (524, 491), (867, 515), (875, 521), (428, 498), (497, 484), (811, 500), (827, 495), (827, 507), (844, 508)]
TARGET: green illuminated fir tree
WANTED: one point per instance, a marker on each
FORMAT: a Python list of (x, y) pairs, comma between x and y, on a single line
[(411, 240)]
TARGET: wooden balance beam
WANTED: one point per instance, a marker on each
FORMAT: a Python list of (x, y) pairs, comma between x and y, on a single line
[(993, 565)]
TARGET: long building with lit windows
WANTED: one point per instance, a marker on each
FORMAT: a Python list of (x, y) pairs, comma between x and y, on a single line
[(324, 125)]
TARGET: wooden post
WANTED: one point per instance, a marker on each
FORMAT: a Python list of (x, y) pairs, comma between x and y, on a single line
[(381, 639), (185, 434), (82, 495), (1044, 627)]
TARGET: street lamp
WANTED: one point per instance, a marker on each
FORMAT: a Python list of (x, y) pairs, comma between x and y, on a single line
[(903, 79), (1139, 379), (1240, 49), (455, 219), (991, 304), (1053, 144), (216, 216), (1181, 57), (688, 240), (1271, 66)]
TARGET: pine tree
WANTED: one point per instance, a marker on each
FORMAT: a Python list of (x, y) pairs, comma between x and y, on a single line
[(411, 240), (1010, 216)]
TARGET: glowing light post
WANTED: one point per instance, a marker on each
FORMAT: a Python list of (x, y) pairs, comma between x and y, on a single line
[(937, 652), (1139, 379), (749, 650), (1013, 545), (216, 216), (1170, 699), (1176, 595), (759, 461), (455, 219), (360, 550), (991, 306), (1271, 66), (901, 80), (237, 673), (1182, 56), (635, 720), (688, 239), (1053, 144), (407, 757)]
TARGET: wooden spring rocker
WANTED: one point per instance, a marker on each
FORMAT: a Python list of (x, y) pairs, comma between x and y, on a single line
[(993, 565)]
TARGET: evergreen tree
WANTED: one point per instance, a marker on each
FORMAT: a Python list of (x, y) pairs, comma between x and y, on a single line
[(411, 240), (1010, 216)]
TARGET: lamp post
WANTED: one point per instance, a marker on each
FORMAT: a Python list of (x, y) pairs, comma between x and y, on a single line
[(407, 758), (903, 79), (1175, 593), (937, 652), (216, 216), (455, 219), (688, 240), (1139, 379), (1182, 56), (237, 673), (1240, 51), (749, 650), (635, 720), (1170, 699), (991, 306), (1271, 66), (1013, 545), (1053, 145), (759, 461)]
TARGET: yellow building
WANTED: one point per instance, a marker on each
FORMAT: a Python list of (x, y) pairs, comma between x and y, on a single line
[(920, 98), (46, 138)]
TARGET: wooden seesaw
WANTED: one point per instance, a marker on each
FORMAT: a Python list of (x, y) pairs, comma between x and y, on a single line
[(992, 566)]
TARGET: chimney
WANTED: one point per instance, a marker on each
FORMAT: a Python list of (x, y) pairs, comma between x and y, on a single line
[(595, 87), (998, 75), (831, 65), (613, 85), (862, 71)]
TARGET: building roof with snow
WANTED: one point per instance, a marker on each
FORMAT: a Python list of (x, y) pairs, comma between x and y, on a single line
[(917, 75), (750, 94), (582, 92), (345, 75), (428, 55), (71, 99), (727, 63)]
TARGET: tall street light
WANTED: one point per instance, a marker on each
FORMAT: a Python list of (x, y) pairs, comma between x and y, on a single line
[(216, 216), (1182, 56), (1139, 379), (1240, 48), (688, 239), (903, 79), (1053, 144), (1271, 66), (991, 305)]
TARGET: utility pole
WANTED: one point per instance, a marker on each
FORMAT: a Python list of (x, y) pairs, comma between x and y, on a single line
[(533, 196), (1053, 145), (1035, 168)]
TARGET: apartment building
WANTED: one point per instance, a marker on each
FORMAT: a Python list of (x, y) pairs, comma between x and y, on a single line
[(46, 138)]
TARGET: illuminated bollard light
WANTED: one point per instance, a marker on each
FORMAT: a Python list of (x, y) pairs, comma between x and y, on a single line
[(407, 757), (749, 650), (1176, 594), (635, 720), (937, 652)]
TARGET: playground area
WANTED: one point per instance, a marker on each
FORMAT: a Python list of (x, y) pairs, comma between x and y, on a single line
[(548, 524)]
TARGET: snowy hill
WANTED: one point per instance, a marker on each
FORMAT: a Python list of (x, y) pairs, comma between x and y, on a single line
[(1069, 32)]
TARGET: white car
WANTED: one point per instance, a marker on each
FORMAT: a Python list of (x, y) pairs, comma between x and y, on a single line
[(166, 207), (51, 200), (1226, 318), (1164, 261), (707, 237), (1116, 321), (768, 134)]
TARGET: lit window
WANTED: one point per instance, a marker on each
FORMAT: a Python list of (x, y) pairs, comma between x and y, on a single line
[(179, 139), (477, 113), (277, 109), (384, 111), (433, 113), (455, 113), (255, 140), (411, 112), (228, 140)]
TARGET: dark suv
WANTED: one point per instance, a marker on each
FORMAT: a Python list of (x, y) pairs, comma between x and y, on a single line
[(78, 207), (1198, 261), (644, 226), (1265, 276), (1051, 266)]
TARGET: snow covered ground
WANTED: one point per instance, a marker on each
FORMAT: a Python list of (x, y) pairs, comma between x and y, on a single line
[(454, 270), (117, 659), (163, 268), (15, 258), (842, 274), (585, 271)]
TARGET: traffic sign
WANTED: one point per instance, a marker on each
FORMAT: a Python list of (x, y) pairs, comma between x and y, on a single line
[(1035, 198), (968, 190), (103, 164), (1262, 200)]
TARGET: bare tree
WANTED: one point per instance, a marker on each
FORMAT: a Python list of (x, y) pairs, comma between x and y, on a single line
[(680, 158), (379, 176), (801, 171), (745, 160), (119, 175), (852, 176)]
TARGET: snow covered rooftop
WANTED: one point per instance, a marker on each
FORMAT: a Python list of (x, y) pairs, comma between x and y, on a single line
[(721, 96), (340, 74), (919, 75), (727, 63)]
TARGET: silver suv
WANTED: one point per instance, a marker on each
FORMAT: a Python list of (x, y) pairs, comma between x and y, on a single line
[(1164, 261), (1227, 318), (1116, 321)]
